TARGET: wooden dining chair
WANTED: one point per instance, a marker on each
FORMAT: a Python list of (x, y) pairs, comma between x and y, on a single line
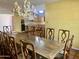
[(13, 48), (32, 30), (7, 29), (0, 36), (42, 32), (63, 35), (50, 33), (9, 46), (4, 49), (28, 50), (38, 30), (1, 45), (5, 39), (67, 49)]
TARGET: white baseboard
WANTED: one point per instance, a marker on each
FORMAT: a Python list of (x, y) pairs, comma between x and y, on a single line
[(75, 48)]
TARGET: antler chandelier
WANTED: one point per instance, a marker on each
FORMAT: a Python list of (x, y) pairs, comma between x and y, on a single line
[(25, 11)]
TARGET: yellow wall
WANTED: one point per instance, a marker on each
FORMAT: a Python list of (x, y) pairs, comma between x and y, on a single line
[(17, 23), (64, 15)]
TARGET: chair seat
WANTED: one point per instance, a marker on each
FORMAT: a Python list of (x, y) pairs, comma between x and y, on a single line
[(59, 56)]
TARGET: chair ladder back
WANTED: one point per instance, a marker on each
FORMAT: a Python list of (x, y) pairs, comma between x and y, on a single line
[(13, 48), (26, 50), (67, 48), (5, 43), (50, 33), (63, 35), (7, 29)]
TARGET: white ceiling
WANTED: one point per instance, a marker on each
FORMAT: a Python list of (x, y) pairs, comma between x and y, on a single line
[(7, 5)]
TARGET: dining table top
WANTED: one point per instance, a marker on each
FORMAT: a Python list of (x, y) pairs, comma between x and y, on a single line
[(45, 47)]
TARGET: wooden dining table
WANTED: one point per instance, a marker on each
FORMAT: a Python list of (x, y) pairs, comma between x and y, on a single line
[(47, 49)]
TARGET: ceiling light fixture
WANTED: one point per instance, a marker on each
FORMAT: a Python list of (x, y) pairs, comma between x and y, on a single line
[(25, 11), (41, 11)]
